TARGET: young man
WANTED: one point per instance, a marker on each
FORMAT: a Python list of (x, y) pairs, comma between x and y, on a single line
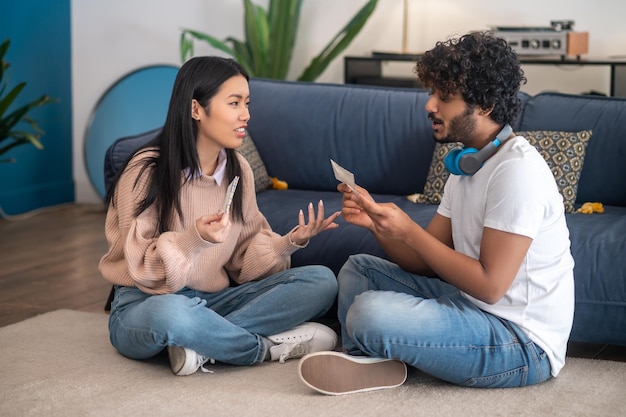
[(484, 296)]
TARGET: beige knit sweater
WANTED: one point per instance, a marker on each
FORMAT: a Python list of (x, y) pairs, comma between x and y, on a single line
[(158, 264)]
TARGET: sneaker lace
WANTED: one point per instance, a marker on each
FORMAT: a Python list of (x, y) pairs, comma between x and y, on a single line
[(294, 350), (202, 360)]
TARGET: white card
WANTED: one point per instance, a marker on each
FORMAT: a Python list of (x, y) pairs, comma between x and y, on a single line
[(230, 193), (344, 176)]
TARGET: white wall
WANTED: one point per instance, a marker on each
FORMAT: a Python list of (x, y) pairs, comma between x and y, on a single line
[(112, 38)]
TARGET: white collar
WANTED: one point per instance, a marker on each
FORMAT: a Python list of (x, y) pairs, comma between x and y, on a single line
[(220, 169)]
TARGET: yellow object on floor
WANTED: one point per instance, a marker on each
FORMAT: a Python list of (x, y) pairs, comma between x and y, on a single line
[(589, 208)]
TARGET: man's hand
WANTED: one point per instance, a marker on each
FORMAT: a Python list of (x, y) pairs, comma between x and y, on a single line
[(387, 219), (350, 210)]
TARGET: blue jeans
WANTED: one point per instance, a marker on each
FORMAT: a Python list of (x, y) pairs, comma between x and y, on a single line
[(226, 326), (388, 312)]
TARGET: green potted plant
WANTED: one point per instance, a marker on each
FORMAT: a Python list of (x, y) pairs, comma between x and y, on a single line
[(270, 37), (10, 133)]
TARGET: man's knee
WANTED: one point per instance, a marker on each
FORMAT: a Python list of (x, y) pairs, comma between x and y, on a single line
[(367, 313)]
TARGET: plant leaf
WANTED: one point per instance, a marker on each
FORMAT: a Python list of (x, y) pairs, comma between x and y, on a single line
[(186, 47), (10, 97), (3, 50), (7, 123), (338, 43), (256, 31), (214, 42), (284, 18), (270, 38), (243, 55), (22, 136), (4, 47)]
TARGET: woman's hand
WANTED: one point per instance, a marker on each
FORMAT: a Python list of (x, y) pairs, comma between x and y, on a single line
[(214, 227), (316, 225), (351, 210)]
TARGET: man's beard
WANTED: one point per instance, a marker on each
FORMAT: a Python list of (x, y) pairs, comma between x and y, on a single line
[(461, 128)]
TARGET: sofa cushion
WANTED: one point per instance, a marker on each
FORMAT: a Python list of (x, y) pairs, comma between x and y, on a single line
[(248, 150), (565, 153), (122, 149), (602, 176), (437, 176), (380, 134), (331, 248)]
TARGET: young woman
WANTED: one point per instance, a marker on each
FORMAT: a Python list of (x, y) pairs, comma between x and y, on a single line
[(190, 276)]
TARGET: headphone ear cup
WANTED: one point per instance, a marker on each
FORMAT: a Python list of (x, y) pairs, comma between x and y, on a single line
[(467, 161), (451, 162)]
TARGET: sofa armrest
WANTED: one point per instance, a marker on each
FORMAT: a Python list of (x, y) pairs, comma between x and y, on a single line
[(121, 150)]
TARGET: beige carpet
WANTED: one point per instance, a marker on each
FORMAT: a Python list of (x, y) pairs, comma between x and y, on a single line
[(61, 364)]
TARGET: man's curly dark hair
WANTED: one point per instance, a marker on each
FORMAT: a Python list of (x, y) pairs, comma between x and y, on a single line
[(481, 67)]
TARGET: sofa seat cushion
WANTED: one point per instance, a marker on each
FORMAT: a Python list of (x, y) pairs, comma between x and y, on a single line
[(331, 248), (598, 247)]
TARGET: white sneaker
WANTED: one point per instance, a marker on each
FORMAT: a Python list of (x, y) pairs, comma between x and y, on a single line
[(185, 361), (335, 373), (306, 338)]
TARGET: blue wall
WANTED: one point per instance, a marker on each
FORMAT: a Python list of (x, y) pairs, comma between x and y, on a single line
[(40, 55)]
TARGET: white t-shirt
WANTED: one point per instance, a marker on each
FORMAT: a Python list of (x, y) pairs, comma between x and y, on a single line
[(515, 192)]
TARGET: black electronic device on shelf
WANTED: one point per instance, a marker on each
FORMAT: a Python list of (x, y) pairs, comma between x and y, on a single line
[(557, 39)]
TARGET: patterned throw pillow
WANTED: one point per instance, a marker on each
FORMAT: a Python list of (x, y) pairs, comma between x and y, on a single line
[(565, 153), (261, 178), (437, 176)]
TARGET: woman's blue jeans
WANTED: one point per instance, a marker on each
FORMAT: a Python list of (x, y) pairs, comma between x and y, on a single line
[(226, 326), (387, 312)]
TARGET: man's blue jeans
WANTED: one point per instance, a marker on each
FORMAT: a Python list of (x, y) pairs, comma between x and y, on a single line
[(387, 312), (226, 326)]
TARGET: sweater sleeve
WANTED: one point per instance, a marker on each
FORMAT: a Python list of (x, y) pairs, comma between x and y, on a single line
[(260, 251), (138, 255)]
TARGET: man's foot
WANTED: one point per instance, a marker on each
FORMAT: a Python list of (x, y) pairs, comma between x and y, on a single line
[(185, 361), (306, 338), (335, 373)]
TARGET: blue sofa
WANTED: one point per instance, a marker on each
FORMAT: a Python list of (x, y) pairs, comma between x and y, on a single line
[(382, 135)]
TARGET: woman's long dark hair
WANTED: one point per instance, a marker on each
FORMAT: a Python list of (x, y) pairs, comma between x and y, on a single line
[(200, 78)]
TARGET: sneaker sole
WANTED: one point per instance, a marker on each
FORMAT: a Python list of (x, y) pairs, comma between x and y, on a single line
[(177, 359), (334, 373)]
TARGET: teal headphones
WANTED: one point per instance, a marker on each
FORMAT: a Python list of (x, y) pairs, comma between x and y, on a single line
[(466, 161)]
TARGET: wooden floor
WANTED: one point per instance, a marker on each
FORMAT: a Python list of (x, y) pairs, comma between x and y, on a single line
[(49, 261)]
